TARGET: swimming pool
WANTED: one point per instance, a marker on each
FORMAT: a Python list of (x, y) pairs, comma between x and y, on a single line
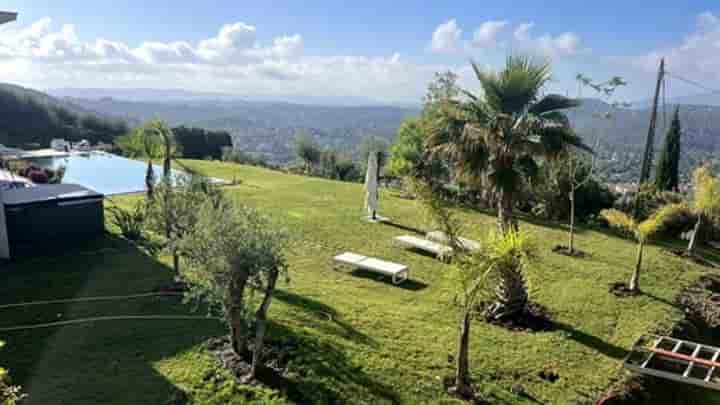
[(103, 172)]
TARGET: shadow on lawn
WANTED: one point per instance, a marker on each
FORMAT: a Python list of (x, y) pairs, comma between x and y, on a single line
[(326, 318), (410, 284), (100, 362), (405, 228), (592, 342), (321, 372)]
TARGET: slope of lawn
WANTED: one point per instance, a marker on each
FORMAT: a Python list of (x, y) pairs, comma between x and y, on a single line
[(359, 338)]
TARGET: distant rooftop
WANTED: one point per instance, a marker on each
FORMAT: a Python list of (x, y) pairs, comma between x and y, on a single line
[(6, 16)]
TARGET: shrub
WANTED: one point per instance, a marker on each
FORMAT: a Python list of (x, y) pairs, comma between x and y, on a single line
[(130, 222)]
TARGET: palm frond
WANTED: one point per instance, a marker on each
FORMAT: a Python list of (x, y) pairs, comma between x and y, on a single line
[(620, 220), (651, 226), (553, 102)]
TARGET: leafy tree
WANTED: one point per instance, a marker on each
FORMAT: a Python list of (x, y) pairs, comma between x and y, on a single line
[(642, 231), (174, 212), (9, 394), (198, 143), (308, 150), (236, 257), (408, 149), (668, 169), (497, 137), (444, 87), (706, 201)]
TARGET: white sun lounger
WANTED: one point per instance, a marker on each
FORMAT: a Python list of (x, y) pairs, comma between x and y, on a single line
[(407, 241), (467, 244), (398, 272)]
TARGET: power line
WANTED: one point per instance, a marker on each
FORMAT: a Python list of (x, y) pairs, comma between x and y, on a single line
[(694, 83)]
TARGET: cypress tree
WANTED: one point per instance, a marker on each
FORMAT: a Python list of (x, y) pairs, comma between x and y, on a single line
[(666, 177)]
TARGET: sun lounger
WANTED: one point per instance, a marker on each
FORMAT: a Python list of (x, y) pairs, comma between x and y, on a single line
[(398, 272), (467, 244), (407, 241)]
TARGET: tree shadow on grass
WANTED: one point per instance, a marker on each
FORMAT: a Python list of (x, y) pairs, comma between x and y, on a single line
[(409, 284), (324, 317), (593, 342), (405, 228), (321, 372), (97, 362)]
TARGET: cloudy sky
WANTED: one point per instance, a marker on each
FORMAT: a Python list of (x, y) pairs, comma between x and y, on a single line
[(385, 51)]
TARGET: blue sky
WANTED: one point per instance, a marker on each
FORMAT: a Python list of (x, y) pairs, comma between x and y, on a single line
[(379, 50)]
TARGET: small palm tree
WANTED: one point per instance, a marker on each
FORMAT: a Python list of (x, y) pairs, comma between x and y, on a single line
[(706, 201), (500, 255), (642, 231), (498, 136)]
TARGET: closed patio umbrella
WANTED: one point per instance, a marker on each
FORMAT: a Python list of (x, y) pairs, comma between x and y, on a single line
[(371, 186)]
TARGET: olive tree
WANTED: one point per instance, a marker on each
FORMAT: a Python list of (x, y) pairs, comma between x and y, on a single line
[(236, 257), (175, 210)]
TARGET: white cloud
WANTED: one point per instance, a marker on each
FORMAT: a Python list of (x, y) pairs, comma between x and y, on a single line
[(486, 35), (522, 32), (232, 61), (446, 37), (697, 56), (565, 44)]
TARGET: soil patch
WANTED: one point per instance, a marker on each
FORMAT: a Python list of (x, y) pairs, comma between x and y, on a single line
[(535, 318), (271, 372), (565, 251), (622, 290)]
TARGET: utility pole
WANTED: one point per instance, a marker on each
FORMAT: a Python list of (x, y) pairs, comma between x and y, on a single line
[(650, 143)]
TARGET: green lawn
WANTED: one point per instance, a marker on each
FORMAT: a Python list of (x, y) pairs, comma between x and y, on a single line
[(361, 339)]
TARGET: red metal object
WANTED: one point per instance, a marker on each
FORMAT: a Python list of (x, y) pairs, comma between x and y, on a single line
[(684, 357)]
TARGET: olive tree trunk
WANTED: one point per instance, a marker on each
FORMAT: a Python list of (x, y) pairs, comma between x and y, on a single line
[(261, 320), (635, 279), (235, 308), (462, 367)]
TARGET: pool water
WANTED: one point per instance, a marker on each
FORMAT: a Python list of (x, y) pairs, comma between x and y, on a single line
[(103, 172)]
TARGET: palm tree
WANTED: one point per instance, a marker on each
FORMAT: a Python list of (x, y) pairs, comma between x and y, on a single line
[(498, 136), (706, 201), (511, 252), (642, 231)]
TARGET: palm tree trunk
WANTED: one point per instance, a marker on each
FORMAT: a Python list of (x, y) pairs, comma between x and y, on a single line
[(261, 321), (506, 219), (635, 279), (571, 244), (693, 238), (462, 368)]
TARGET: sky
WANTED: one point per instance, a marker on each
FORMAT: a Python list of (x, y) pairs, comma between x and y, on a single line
[(381, 51)]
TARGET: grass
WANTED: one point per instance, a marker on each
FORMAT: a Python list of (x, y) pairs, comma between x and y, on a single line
[(361, 339)]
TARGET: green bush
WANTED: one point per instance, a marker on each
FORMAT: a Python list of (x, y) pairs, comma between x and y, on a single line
[(130, 222)]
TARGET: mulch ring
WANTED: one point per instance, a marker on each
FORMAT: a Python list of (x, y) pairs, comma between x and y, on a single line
[(621, 289), (565, 251), (535, 318), (275, 358)]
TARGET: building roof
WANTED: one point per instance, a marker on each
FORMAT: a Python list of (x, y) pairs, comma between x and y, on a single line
[(49, 192), (6, 17)]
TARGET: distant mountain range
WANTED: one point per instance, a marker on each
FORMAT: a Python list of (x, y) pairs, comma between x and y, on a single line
[(183, 96), (269, 128)]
